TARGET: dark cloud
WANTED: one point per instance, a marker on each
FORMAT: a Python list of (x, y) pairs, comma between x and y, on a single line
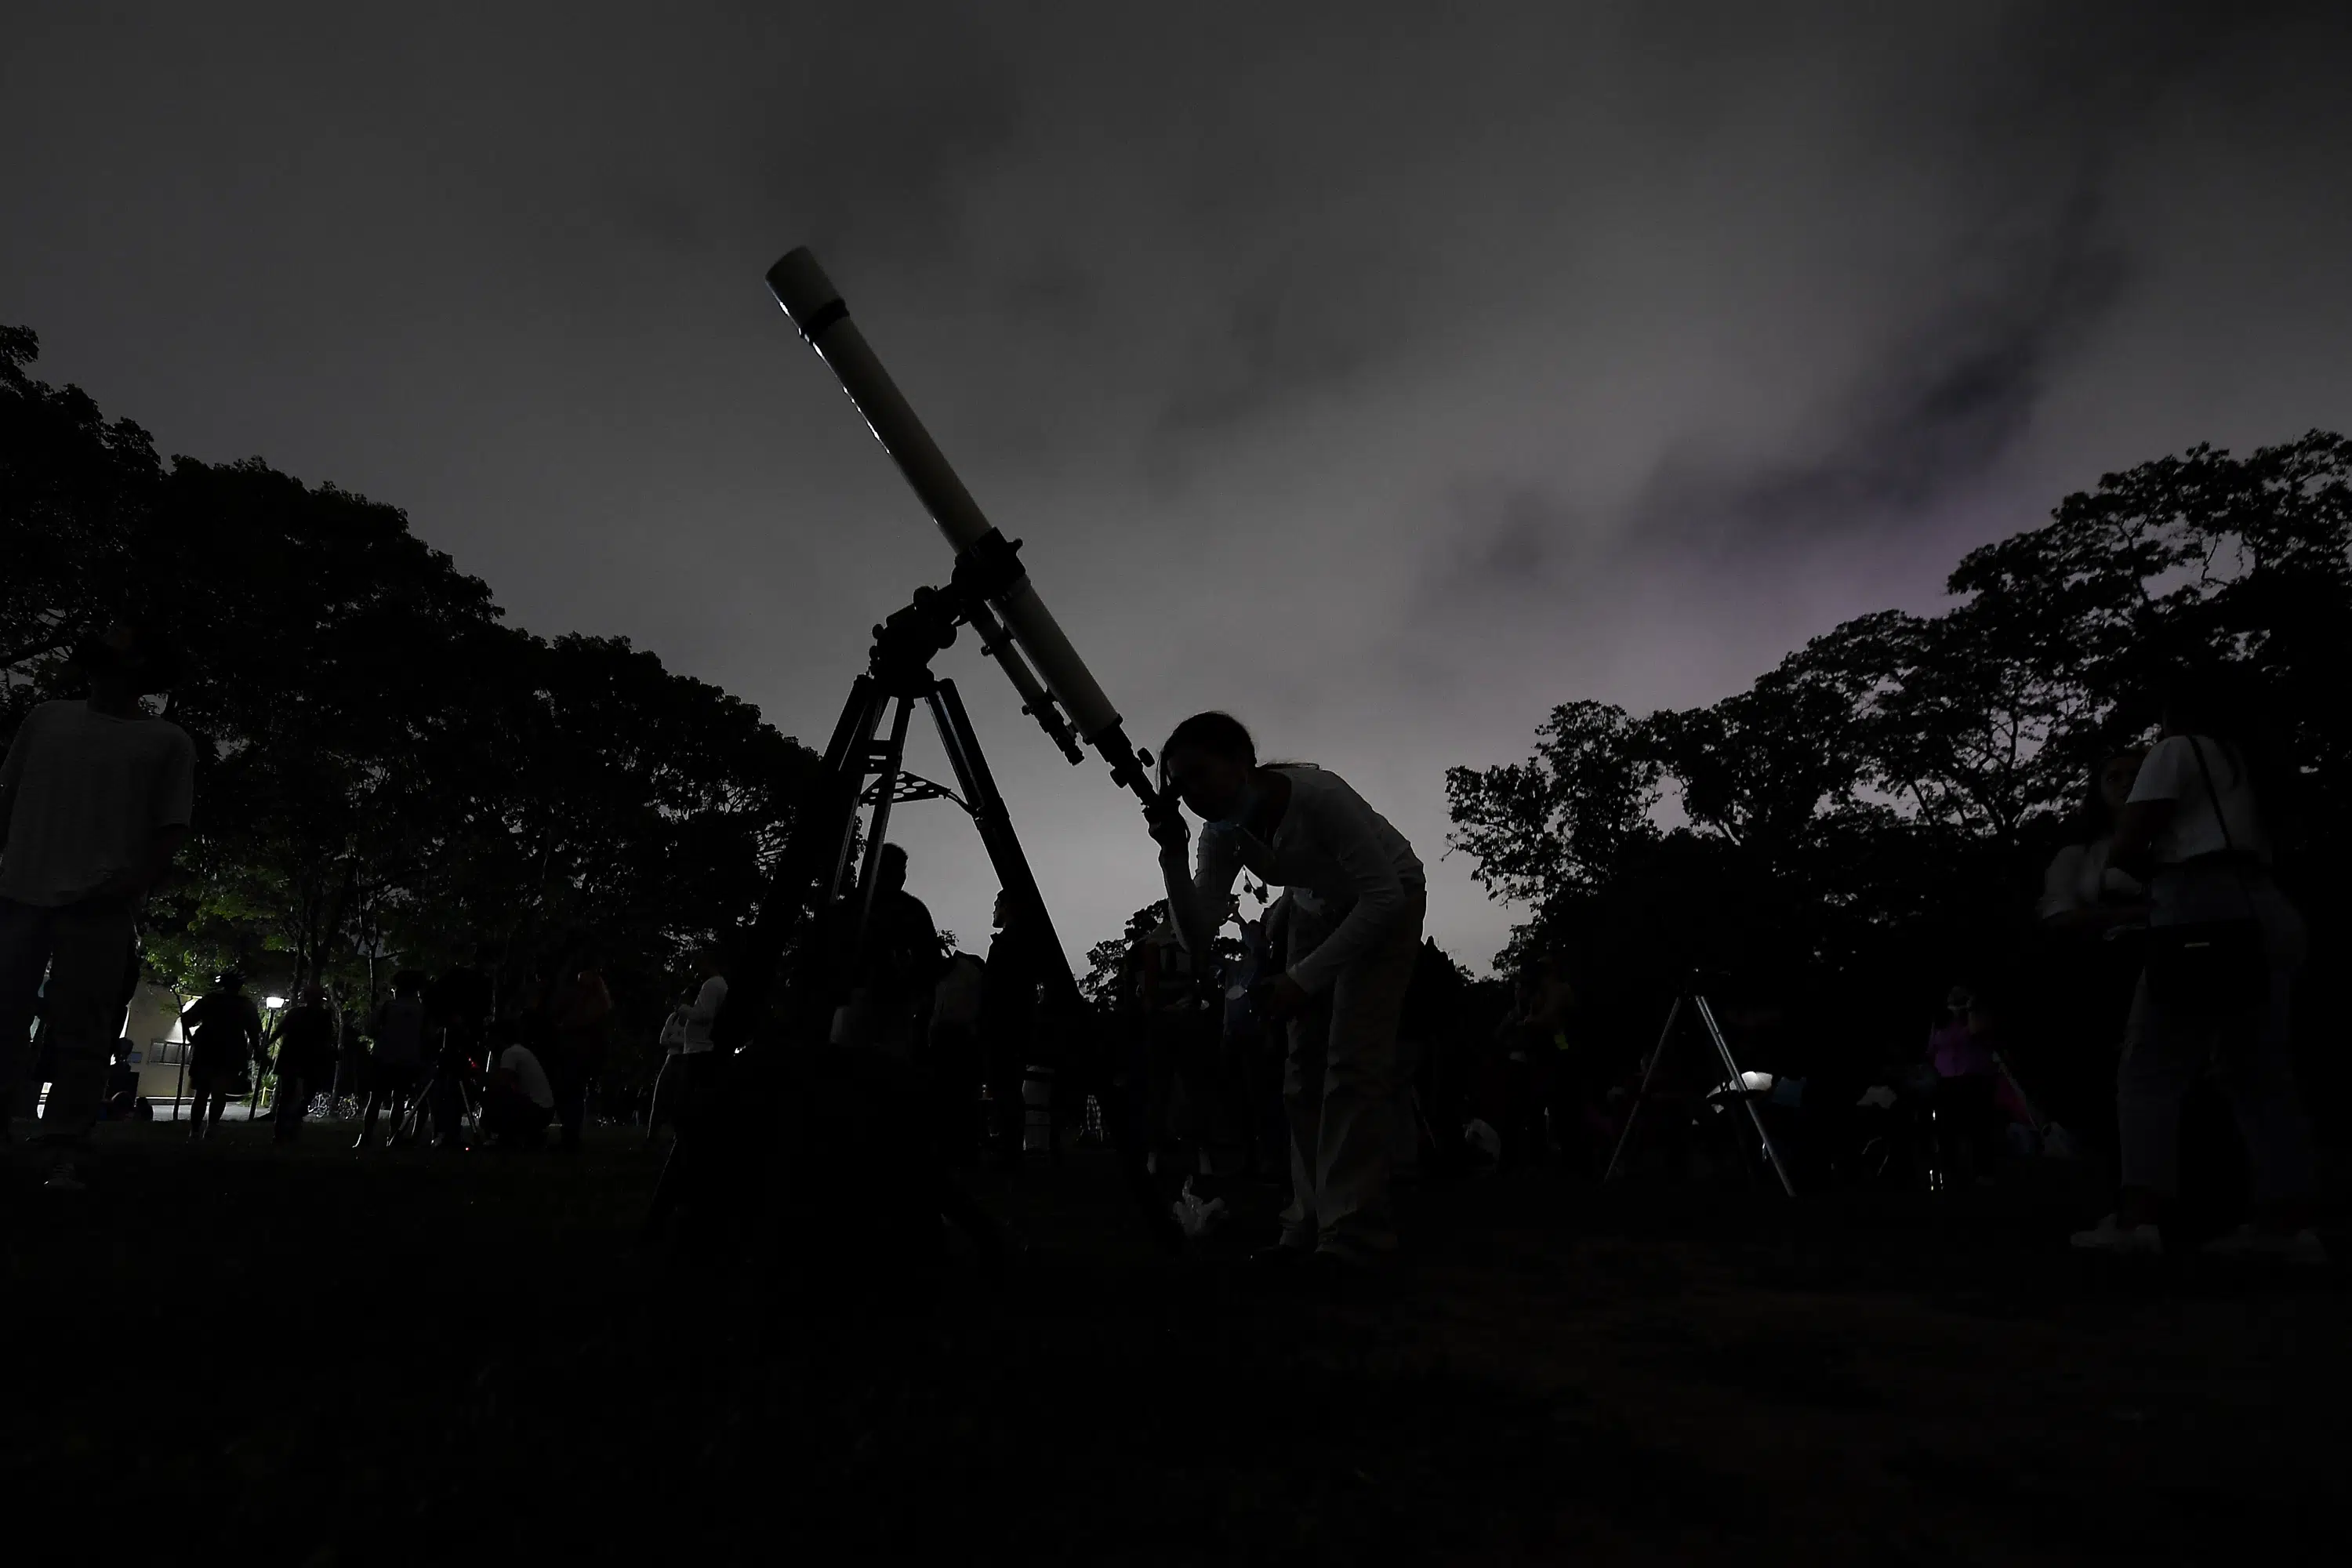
[(1385, 374), (1303, 323), (1944, 407)]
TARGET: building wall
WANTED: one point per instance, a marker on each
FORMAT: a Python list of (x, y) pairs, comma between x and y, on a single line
[(157, 1046)]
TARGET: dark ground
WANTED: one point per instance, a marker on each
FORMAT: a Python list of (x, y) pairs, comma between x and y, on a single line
[(333, 1358)]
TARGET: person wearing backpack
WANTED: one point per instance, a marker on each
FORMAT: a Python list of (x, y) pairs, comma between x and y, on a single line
[(2223, 946)]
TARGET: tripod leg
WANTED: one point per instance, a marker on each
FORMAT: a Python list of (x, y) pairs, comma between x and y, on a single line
[(824, 820), (1739, 1086), (1012, 866), (885, 763), (1642, 1095)]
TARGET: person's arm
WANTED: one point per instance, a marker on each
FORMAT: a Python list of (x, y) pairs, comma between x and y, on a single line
[(1346, 827), (706, 1002), (1197, 898)]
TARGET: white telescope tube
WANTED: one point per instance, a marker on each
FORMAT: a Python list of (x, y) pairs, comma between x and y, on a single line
[(815, 307)]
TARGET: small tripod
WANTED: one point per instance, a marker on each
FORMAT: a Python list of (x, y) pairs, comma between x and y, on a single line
[(1733, 1083)]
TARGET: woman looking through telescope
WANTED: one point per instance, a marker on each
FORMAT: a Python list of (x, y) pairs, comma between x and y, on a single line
[(1302, 828)]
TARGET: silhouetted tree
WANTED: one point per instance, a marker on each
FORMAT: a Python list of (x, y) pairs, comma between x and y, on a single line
[(1870, 815), (385, 769)]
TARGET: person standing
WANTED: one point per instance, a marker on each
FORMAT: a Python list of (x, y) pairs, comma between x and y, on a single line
[(952, 1054), (351, 1064), (95, 800), (457, 1013), (1176, 1018), (1537, 1113), (1964, 1100), (306, 1059), (1305, 829), (698, 1051), (663, 1105), (899, 963), (2223, 946), (224, 1041), (1008, 1029), (582, 1012), (396, 1065), (2088, 908)]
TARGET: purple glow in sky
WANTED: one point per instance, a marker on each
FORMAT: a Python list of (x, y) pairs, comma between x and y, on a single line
[(1384, 374)]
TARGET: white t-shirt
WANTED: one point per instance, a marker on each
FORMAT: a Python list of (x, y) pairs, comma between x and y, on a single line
[(1331, 847), (90, 791), (2079, 878), (521, 1062), (699, 1018), (2170, 773)]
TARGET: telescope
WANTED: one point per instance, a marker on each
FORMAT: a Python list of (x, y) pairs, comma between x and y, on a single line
[(817, 309), (863, 771)]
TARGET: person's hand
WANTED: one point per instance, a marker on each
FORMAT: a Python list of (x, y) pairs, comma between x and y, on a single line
[(1169, 828), (1279, 998)]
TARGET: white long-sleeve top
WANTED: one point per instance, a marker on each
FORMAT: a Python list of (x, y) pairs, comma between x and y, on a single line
[(699, 1018), (1329, 845)]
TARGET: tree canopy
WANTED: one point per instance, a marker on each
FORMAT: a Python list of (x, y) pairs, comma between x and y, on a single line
[(1871, 816), (388, 774)]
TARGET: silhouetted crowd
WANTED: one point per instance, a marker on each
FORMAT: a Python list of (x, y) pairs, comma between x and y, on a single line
[(1326, 1048)]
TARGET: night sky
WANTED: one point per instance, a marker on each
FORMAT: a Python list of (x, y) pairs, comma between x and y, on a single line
[(1383, 373)]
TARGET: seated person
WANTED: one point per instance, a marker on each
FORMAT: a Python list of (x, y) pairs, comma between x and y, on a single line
[(519, 1102), (1965, 1097)]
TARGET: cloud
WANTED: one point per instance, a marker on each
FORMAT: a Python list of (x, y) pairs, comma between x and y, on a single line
[(1943, 406), (1387, 374)]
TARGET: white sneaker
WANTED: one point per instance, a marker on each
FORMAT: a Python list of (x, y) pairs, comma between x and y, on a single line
[(2303, 1247), (63, 1180), (2123, 1241)]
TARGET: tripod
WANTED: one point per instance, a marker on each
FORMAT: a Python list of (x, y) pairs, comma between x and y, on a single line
[(864, 764), (992, 594), (429, 1102), (1734, 1083)]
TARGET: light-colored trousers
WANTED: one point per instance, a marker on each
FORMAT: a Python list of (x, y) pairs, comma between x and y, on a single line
[(1341, 1091)]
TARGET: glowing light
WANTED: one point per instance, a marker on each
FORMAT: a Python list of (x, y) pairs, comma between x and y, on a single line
[(273, 1003)]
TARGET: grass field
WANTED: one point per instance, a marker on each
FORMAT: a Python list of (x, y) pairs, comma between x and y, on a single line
[(314, 1356)]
